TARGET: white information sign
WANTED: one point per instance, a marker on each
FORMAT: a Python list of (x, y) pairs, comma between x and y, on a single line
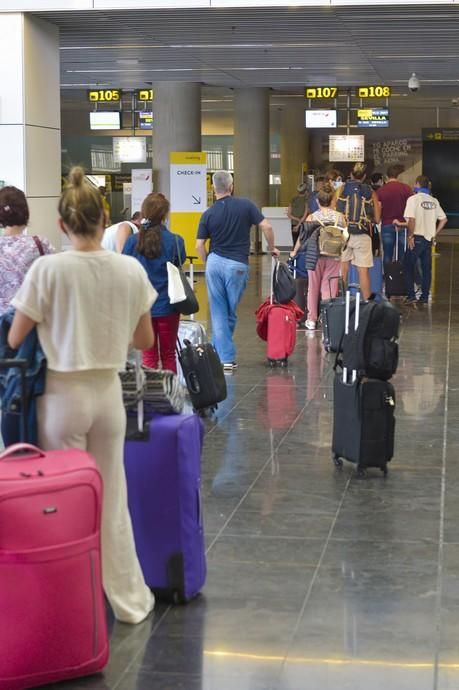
[(188, 186), (130, 149), (346, 148), (142, 186)]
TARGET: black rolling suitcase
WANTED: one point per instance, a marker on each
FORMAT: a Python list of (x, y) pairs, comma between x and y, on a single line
[(203, 373), (363, 415), (394, 275), (332, 313)]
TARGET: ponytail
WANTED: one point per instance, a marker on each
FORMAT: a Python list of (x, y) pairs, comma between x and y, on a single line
[(154, 211), (149, 241)]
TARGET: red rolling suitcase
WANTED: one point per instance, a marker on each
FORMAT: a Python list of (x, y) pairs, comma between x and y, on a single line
[(53, 623), (281, 334), (282, 318)]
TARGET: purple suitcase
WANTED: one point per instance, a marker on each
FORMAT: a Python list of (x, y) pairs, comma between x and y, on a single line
[(163, 470)]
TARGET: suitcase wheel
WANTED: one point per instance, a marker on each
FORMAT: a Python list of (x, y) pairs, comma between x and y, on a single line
[(278, 362), (361, 472), (384, 470), (337, 461)]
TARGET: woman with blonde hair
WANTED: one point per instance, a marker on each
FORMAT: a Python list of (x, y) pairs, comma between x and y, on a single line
[(88, 305)]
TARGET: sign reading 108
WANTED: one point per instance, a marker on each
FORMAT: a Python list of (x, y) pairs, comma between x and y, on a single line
[(373, 91)]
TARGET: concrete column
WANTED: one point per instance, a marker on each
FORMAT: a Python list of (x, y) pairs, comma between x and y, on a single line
[(293, 148), (30, 130), (176, 126), (251, 144)]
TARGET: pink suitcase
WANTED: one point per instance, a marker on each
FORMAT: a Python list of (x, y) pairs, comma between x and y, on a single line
[(52, 613)]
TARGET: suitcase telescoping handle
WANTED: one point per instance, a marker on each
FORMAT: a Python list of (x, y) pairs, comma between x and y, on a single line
[(396, 242), (347, 324), (274, 263), (340, 280), (20, 364), (11, 451), (139, 382)]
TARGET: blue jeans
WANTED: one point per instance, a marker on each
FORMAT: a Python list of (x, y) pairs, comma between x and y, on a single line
[(389, 235), (226, 281), (422, 252)]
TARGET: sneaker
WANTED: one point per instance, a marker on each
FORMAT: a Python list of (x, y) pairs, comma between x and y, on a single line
[(311, 325), (300, 326), (423, 300), (228, 367)]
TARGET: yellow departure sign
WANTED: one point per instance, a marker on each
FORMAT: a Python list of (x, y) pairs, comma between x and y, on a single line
[(321, 92), (145, 94), (374, 91), (104, 96)]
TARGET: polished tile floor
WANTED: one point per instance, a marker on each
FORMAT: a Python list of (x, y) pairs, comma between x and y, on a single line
[(318, 580)]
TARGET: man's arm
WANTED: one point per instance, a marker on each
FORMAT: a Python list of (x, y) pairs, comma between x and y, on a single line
[(411, 223), (268, 232), (377, 207), (290, 215), (124, 231), (201, 250), (440, 225)]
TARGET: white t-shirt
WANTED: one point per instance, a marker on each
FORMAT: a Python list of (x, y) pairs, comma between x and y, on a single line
[(109, 238), (87, 306), (426, 211)]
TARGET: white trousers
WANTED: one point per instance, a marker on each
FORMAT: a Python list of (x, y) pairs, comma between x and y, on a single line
[(85, 410)]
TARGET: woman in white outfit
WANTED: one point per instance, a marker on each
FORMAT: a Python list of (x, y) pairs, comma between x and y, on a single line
[(88, 305), (115, 236)]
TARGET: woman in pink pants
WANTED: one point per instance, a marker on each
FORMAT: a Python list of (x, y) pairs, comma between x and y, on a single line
[(320, 285)]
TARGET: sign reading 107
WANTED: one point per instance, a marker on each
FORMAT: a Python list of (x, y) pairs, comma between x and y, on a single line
[(321, 92)]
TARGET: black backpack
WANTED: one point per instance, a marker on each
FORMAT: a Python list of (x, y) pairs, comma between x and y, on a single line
[(355, 203), (372, 350), (284, 286)]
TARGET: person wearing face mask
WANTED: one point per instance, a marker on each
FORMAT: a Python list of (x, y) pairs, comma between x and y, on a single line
[(376, 181), (335, 178), (425, 219), (298, 210)]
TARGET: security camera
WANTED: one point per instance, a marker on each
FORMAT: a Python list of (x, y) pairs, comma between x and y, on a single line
[(413, 83)]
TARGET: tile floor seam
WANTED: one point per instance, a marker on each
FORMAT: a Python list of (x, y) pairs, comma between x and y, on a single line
[(443, 483), (263, 468), (316, 572), (225, 416), (141, 650)]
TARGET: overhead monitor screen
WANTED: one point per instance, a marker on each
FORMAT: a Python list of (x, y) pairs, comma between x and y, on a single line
[(320, 118), (105, 120), (346, 148), (146, 119), (373, 117)]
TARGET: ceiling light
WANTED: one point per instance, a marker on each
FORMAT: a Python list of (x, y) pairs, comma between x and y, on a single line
[(127, 61)]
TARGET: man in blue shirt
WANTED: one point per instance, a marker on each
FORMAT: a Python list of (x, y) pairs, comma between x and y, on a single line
[(227, 225)]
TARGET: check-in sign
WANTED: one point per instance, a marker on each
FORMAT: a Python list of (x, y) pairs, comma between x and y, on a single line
[(188, 172)]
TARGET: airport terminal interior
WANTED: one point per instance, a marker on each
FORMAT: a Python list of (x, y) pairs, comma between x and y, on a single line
[(317, 579)]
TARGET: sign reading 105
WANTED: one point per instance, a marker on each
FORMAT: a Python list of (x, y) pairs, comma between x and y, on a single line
[(104, 96)]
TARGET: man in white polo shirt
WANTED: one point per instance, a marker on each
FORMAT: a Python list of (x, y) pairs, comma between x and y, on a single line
[(425, 218)]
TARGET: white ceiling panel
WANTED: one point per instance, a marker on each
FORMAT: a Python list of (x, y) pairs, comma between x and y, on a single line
[(282, 47)]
